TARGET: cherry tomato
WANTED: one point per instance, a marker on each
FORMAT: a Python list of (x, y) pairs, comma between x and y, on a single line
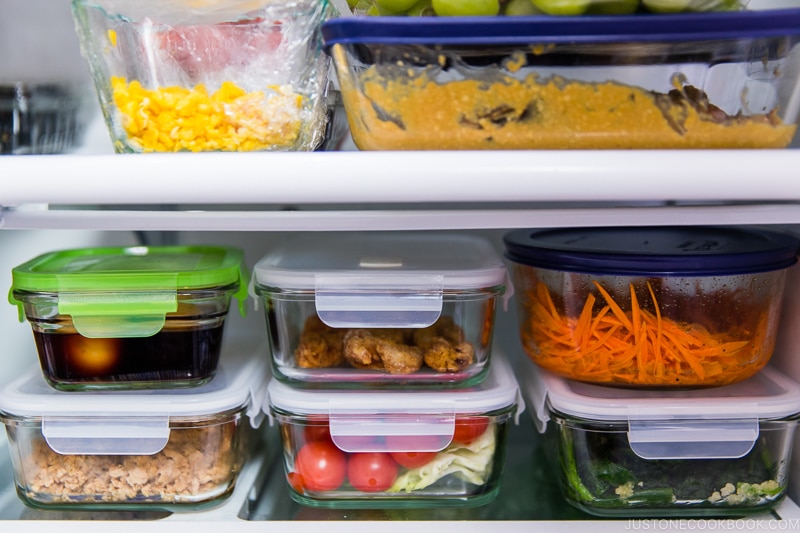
[(413, 451), (469, 428), (371, 471), (315, 432), (321, 466), (413, 459), (296, 481)]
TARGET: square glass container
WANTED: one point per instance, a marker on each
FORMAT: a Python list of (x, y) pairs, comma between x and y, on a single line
[(659, 307), (154, 449), (381, 309), (620, 452), (678, 81), (136, 317), (396, 449), (183, 76)]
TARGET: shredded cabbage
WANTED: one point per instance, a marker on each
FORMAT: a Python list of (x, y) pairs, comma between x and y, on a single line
[(471, 462)]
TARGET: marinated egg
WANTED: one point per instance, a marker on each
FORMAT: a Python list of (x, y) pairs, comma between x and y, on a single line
[(93, 356)]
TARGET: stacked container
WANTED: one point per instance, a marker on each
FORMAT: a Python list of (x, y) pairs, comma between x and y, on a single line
[(386, 390), (133, 404), (651, 348)]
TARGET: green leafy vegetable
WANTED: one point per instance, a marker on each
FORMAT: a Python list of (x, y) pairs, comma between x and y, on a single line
[(471, 462), (601, 471)]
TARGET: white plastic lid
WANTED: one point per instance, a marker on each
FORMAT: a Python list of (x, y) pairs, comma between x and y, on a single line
[(135, 422), (718, 422), (381, 279), (359, 420)]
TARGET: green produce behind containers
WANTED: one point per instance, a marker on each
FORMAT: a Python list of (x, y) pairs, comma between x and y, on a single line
[(449, 8)]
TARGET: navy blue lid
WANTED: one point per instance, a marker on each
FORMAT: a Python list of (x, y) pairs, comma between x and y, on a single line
[(711, 26), (662, 251)]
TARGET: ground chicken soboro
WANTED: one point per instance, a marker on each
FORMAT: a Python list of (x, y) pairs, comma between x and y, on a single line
[(197, 464), (410, 111)]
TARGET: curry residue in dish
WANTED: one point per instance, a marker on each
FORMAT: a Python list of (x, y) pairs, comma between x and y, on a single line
[(414, 112)]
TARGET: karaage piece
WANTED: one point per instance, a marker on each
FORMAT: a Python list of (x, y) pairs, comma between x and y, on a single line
[(443, 346), (320, 346), (381, 349)]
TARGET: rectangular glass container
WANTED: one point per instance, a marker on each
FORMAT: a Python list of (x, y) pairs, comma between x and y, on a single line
[(382, 309), (396, 449), (121, 318), (626, 453), (179, 76), (152, 449), (679, 81)]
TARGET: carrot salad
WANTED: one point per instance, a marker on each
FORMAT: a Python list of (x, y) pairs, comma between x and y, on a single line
[(606, 344)]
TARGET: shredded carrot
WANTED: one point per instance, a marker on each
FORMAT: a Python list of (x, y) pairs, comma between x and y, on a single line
[(640, 346)]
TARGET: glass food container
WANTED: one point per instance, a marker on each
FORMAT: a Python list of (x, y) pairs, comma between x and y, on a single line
[(621, 452), (684, 81), (381, 309), (153, 449), (396, 449), (212, 76), (659, 307), (136, 317)]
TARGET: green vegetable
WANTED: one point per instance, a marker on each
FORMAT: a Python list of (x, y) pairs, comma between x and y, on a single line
[(601, 471), (613, 7), (520, 8), (421, 9), (679, 6), (471, 462), (395, 6), (562, 7), (466, 8), (570, 468)]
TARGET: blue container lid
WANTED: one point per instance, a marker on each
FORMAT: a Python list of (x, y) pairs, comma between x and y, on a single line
[(686, 27), (662, 251)]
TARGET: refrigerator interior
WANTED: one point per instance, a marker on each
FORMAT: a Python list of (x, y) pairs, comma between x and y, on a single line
[(88, 199)]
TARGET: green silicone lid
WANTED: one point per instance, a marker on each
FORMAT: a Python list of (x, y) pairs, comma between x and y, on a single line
[(132, 281)]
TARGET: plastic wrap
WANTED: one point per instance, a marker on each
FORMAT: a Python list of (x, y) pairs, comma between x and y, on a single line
[(205, 76)]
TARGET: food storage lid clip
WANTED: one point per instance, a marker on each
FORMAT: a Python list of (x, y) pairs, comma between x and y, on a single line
[(379, 279), (662, 251), (126, 292), (361, 420), (720, 422), (135, 422)]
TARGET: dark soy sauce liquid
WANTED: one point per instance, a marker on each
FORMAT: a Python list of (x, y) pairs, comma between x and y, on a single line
[(175, 357)]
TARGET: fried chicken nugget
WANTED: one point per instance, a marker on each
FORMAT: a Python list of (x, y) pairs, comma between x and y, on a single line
[(381, 349), (443, 346), (320, 345), (445, 356)]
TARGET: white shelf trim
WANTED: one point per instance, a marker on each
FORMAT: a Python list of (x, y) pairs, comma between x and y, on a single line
[(422, 219), (401, 177)]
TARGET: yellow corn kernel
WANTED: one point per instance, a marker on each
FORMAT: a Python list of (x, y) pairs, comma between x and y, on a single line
[(181, 119)]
